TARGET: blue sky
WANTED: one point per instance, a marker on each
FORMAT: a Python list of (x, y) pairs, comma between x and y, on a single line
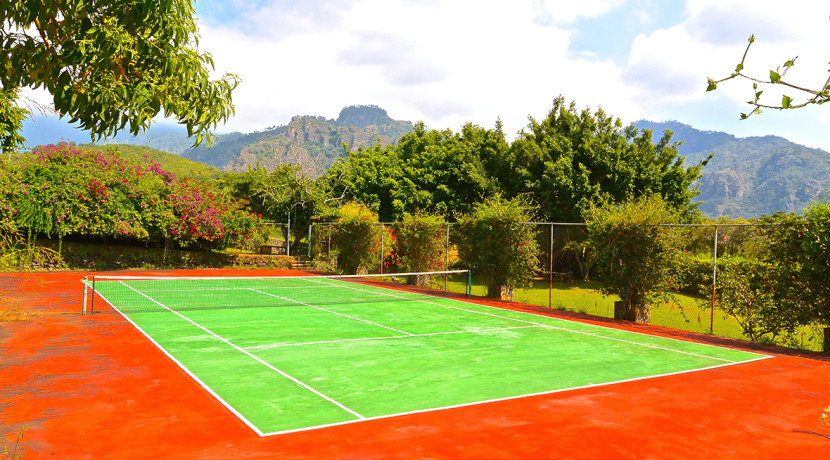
[(447, 62)]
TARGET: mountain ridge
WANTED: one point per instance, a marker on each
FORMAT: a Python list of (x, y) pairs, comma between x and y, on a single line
[(750, 176)]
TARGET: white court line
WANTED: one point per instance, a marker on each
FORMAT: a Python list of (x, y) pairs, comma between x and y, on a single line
[(259, 347), (182, 366), (537, 324), (508, 398), (333, 312), (298, 382), (241, 288), (259, 432)]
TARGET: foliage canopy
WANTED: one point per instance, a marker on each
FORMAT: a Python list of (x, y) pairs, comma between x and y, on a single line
[(635, 250), (111, 65), (493, 242)]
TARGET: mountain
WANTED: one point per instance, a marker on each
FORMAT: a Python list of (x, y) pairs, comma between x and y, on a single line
[(753, 176), (167, 138), (313, 143)]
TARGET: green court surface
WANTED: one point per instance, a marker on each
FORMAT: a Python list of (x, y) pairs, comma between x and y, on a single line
[(288, 354)]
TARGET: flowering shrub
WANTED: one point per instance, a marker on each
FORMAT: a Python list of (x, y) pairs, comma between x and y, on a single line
[(421, 241), (746, 291), (357, 235), (635, 251), (61, 190), (495, 244)]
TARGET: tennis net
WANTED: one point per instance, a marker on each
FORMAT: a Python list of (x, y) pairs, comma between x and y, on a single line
[(136, 294)]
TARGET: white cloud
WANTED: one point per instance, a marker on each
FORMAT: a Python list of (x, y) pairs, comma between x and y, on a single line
[(446, 62), (442, 62), (567, 11), (673, 64)]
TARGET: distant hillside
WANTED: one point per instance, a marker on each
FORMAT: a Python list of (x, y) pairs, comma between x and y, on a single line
[(311, 142), (167, 138), (169, 162), (753, 176)]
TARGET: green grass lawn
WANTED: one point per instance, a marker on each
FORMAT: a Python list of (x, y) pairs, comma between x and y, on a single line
[(685, 312)]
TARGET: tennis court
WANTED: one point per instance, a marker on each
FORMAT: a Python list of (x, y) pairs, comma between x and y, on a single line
[(293, 353)]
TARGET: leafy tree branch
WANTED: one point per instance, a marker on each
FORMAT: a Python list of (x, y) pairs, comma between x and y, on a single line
[(776, 77), (111, 65)]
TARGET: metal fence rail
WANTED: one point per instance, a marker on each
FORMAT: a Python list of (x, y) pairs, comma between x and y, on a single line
[(565, 280)]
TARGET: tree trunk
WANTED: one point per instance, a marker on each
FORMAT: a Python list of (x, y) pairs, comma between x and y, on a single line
[(642, 314), (620, 310), (638, 313), (826, 347), (418, 280), (501, 291)]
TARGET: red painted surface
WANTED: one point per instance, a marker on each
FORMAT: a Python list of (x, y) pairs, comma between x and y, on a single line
[(93, 386)]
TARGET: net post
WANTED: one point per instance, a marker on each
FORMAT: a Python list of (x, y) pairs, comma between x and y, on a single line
[(83, 312), (469, 283), (447, 256), (92, 301)]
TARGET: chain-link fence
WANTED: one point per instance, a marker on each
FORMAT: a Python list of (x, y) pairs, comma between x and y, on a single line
[(568, 276)]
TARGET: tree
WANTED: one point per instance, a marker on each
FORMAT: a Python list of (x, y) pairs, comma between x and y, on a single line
[(635, 250), (447, 172), (800, 248), (573, 158), (110, 65), (11, 120), (277, 193), (421, 241), (357, 235), (776, 78), (429, 170), (747, 293), (495, 243), (370, 176)]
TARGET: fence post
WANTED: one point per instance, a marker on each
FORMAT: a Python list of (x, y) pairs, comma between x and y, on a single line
[(714, 283), (328, 254), (288, 240), (309, 239), (550, 270), (381, 247)]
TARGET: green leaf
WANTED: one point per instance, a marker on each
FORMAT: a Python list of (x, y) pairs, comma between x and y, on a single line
[(739, 68), (712, 85), (752, 38), (774, 77), (785, 102)]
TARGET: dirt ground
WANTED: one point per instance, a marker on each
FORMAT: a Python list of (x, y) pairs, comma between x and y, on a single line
[(92, 387)]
